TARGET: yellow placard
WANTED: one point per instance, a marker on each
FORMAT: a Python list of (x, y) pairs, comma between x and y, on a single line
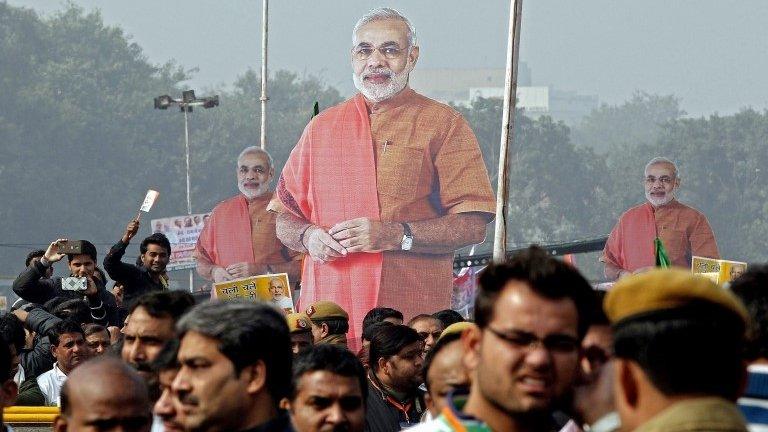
[(717, 270), (269, 288)]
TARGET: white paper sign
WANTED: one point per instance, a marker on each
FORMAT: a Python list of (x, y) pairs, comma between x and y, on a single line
[(149, 200)]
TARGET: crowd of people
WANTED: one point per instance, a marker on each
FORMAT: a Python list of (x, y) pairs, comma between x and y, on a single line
[(374, 346), (662, 350)]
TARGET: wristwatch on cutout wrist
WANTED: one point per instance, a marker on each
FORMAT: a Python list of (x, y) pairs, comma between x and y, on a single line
[(407, 243)]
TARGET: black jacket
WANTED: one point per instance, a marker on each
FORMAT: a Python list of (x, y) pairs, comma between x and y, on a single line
[(38, 359), (136, 280), (33, 286), (384, 414)]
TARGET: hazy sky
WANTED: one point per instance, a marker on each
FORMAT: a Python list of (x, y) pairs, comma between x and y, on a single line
[(710, 53)]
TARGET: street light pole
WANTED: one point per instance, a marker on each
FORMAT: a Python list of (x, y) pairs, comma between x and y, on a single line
[(264, 98)]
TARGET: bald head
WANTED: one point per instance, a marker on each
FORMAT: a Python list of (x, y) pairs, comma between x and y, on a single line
[(104, 393)]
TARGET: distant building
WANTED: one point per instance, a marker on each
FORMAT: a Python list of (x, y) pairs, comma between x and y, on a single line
[(462, 86)]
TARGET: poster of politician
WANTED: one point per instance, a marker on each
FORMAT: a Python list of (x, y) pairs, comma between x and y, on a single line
[(269, 288), (182, 232)]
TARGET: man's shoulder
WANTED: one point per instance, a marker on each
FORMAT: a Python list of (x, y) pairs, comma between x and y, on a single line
[(436, 425), (685, 208), (228, 203), (438, 106), (45, 377)]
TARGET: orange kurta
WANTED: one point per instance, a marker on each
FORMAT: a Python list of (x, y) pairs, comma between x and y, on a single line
[(684, 231), (427, 164), (240, 231)]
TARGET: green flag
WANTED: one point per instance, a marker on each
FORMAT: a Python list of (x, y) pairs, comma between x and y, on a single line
[(315, 110), (662, 259)]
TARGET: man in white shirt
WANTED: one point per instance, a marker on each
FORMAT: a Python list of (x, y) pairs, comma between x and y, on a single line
[(70, 350)]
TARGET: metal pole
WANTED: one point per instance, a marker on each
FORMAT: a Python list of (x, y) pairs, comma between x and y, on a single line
[(189, 195), (264, 98), (508, 129)]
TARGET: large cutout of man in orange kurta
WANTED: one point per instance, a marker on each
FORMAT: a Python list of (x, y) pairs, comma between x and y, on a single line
[(683, 230), (239, 238), (383, 188)]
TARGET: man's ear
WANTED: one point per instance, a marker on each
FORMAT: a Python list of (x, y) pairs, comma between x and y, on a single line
[(471, 340), (413, 56), (60, 424), (383, 365), (625, 384), (324, 330), (256, 375)]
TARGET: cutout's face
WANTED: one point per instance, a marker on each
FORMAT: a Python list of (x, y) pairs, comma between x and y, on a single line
[(276, 288), (382, 59), (327, 402), (661, 183), (254, 174), (527, 358)]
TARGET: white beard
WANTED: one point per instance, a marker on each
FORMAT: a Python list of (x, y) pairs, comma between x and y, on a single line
[(251, 194), (381, 92), (656, 202)]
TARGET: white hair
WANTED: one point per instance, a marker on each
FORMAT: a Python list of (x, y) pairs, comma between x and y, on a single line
[(662, 160), (257, 151), (380, 14)]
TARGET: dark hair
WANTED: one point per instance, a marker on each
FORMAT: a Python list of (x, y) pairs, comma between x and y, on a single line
[(420, 317), (430, 357), (63, 327), (32, 255), (163, 304), (51, 304), (695, 349), (74, 309), (448, 317), (389, 341), (247, 332), (545, 275), (90, 329), (379, 314), (102, 276), (157, 239), (599, 318), (167, 358), (371, 330), (335, 325), (12, 330), (752, 288), (330, 358), (6, 360), (88, 249)]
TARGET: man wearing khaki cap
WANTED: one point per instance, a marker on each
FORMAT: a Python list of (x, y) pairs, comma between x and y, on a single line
[(329, 322), (301, 332), (678, 342)]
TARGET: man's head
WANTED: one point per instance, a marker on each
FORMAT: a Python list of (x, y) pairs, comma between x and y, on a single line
[(329, 391), (428, 328), (35, 256), (117, 400), (301, 332), (396, 357), (384, 52), (752, 288), (12, 331), (167, 406), (444, 371), (532, 312), (327, 319), (151, 324), (593, 396), (76, 310), (276, 288), (8, 388), (97, 338), (84, 264), (448, 317), (255, 169), (155, 252), (68, 345), (381, 314), (661, 180), (671, 329), (234, 371)]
